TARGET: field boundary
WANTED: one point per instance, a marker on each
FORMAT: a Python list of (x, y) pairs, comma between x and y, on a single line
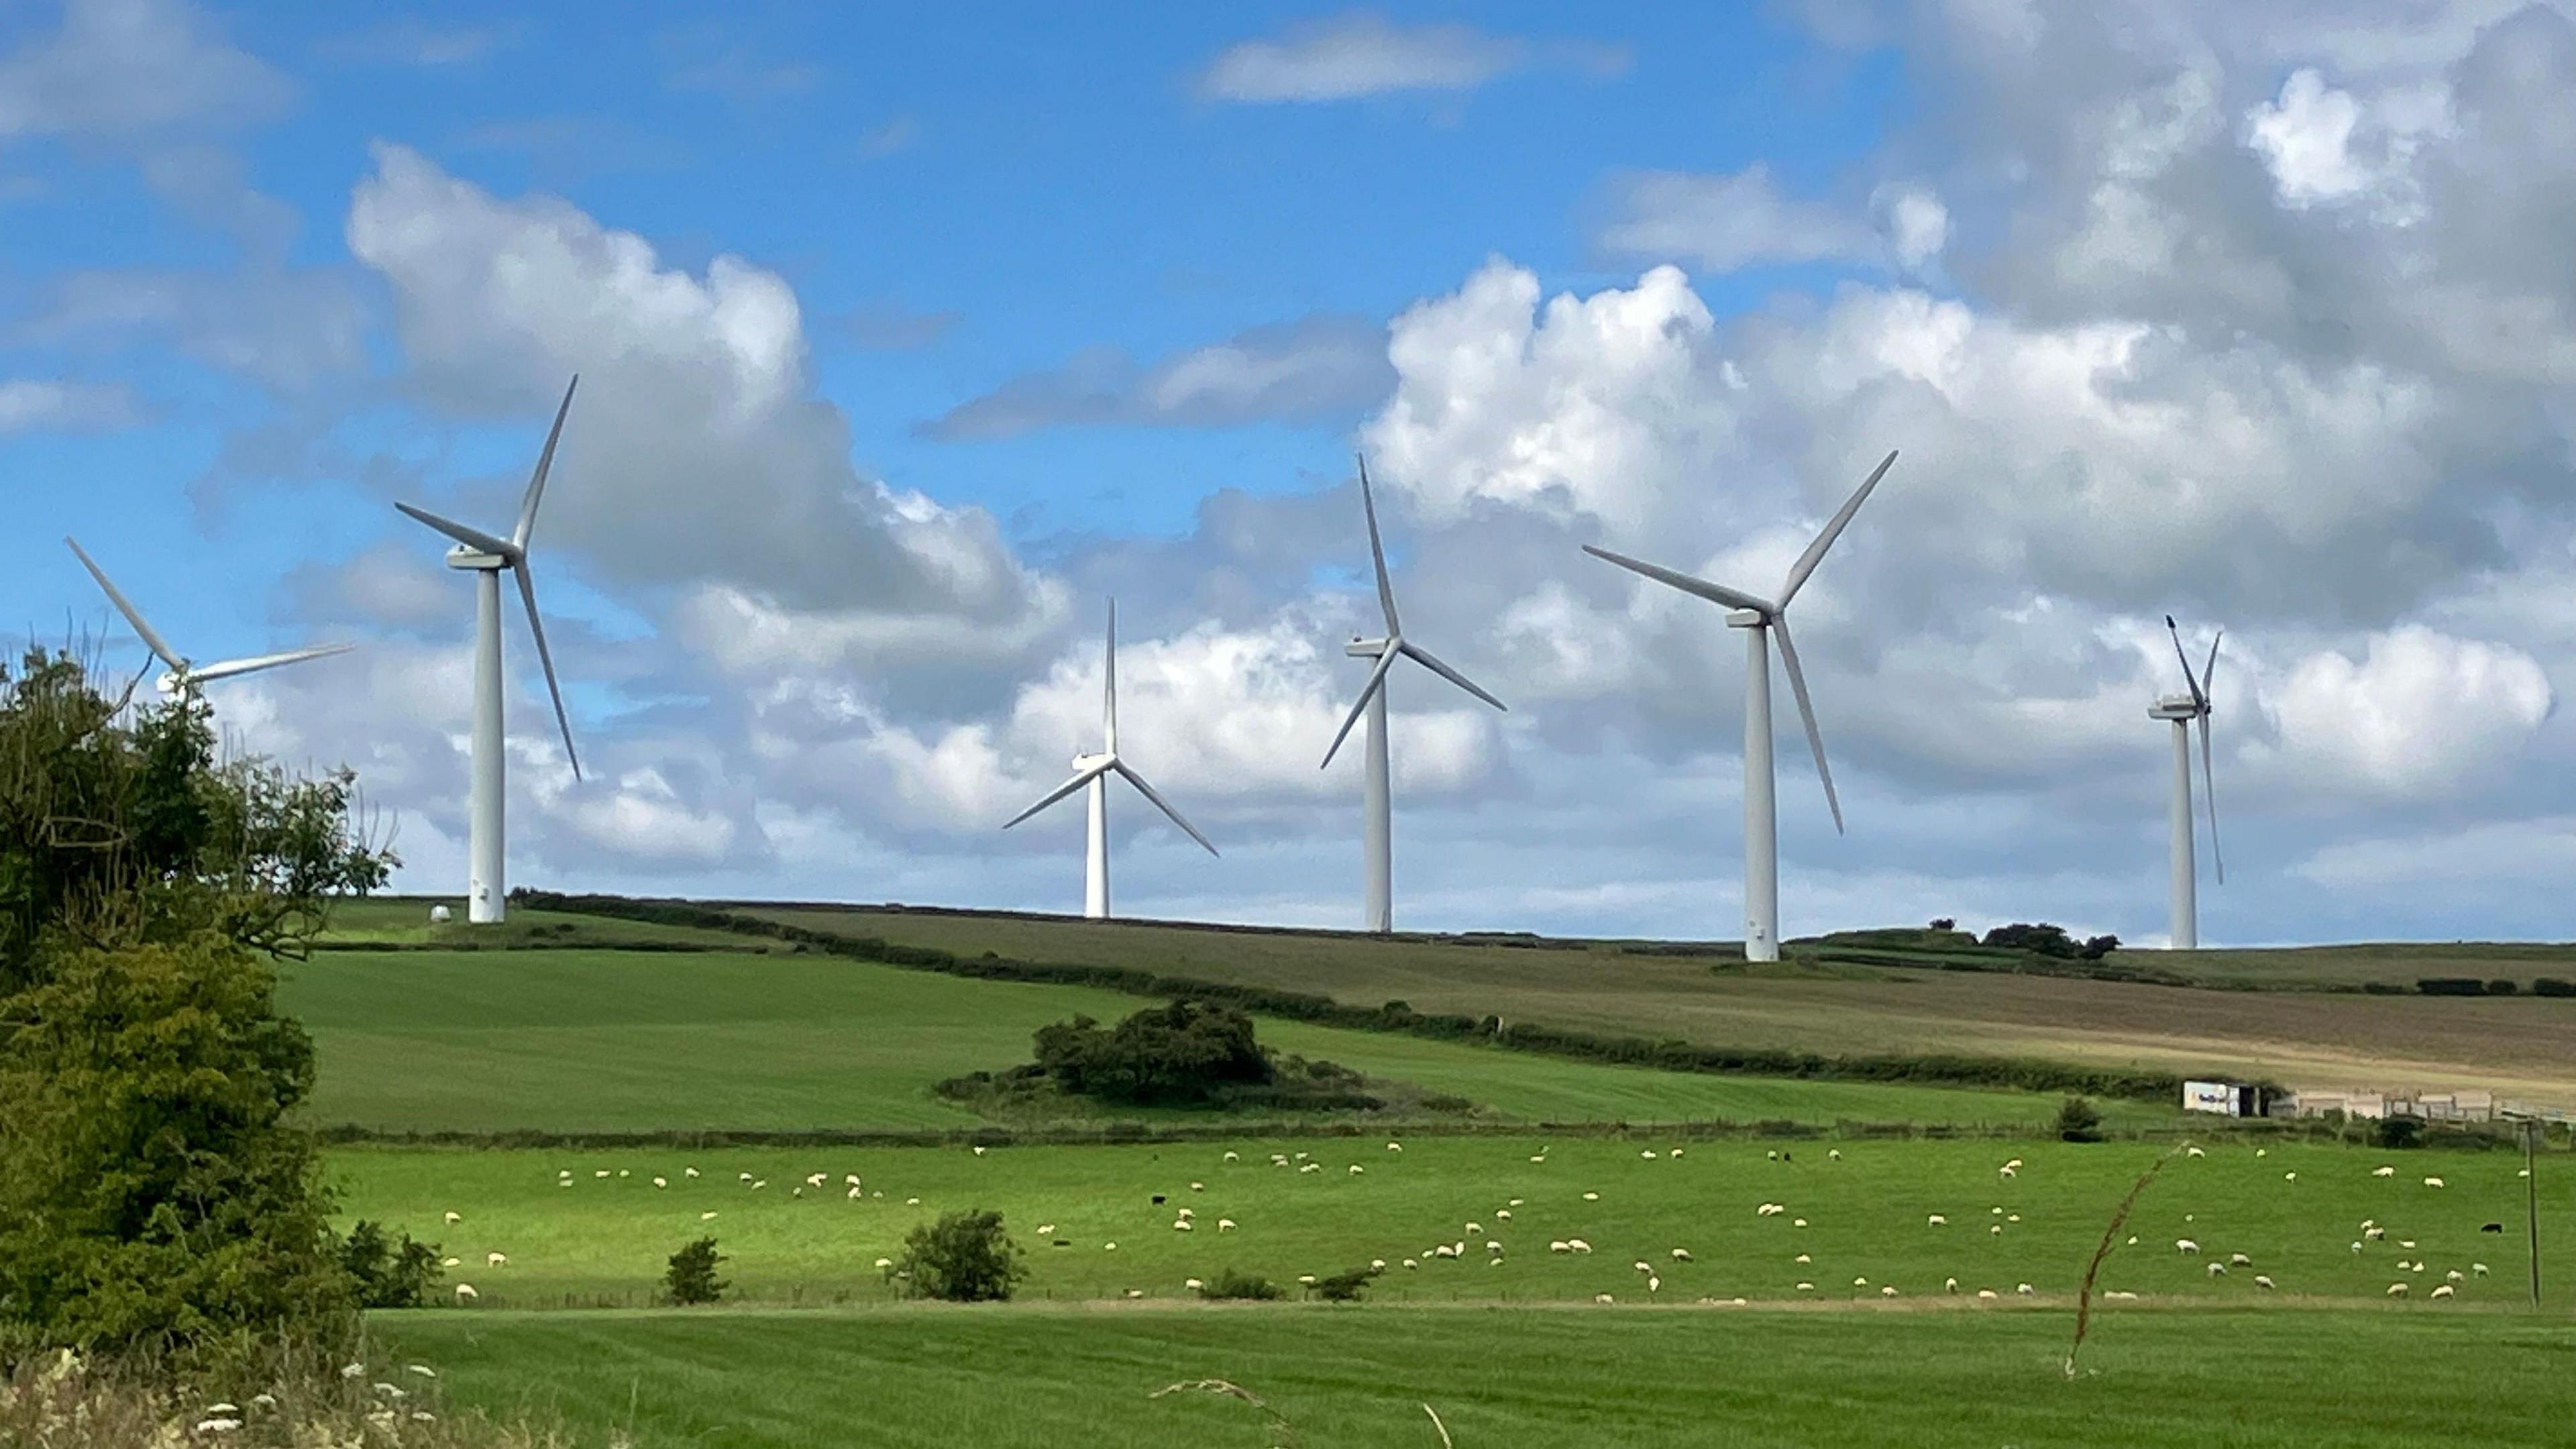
[(2002, 1073)]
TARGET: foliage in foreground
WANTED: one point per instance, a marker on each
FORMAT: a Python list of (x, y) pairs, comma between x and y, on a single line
[(965, 1257), (386, 1273), (153, 1196)]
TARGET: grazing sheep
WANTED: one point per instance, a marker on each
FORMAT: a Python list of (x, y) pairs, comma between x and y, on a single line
[(2383, 1172), (2432, 1182), (1601, 1298), (1648, 1154), (1987, 1294), (1356, 1169), (661, 1182), (1492, 1247), (817, 1179), (1592, 1197), (1503, 1215), (2407, 1243), (746, 1177), (2262, 1281), (449, 1262), (1949, 1285), (1395, 1147), (2012, 1217), (759, 1183), (1198, 1187), (2374, 1234), (1578, 1245), (625, 1172), (1559, 1245), (912, 1202), (1938, 1221), (1681, 1255), (1184, 1213), (2492, 1228), (2240, 1260), (2218, 1270), (465, 1293), (2356, 1247), (603, 1172), (885, 1264), (1135, 1292), (1642, 1266), (1225, 1225), (1109, 1247), (1806, 1287), (1775, 1155), (1410, 1263), (1887, 1292), (979, 1152), (2289, 1177), (1676, 1152), (1312, 1167), (1803, 1258), (1833, 1154), (1797, 1222), (2119, 1296), (1302, 1156), (1233, 1156), (706, 1216), (2454, 1276), (1377, 1265), (2400, 1290), (1994, 1230), (692, 1172), (1766, 1210), (1181, 1225), (2478, 1268), (855, 1194), (2442, 1292), (1444, 1251), (1306, 1278), (1046, 1230), (453, 1219), (1654, 1284), (2193, 1152), (563, 1182), (2006, 1171), (495, 1260), (2185, 1245), (2026, 1291), (1538, 1157), (1860, 1282), (1192, 1284)]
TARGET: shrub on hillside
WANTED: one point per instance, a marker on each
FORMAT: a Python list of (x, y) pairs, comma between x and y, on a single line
[(2097, 947), (389, 1274), (2501, 986), (691, 1278), (2451, 986), (2552, 986), (2399, 1132), (1162, 1055), (2041, 939), (1344, 1287), (965, 1257), (2079, 1121), (1944, 923), (1233, 1285)]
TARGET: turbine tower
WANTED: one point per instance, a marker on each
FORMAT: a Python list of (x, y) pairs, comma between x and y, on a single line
[(1759, 618), (2182, 710), (485, 556), (181, 676), (1377, 902), (1091, 773)]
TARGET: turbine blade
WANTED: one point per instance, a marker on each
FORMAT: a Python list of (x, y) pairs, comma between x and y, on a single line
[(1807, 716), (2209, 797), (1109, 688), (1834, 526), (1376, 682), (1714, 593), (1377, 554), (232, 667), (528, 596), (473, 538), (1132, 778), (545, 464), (1423, 657), (151, 637), (1081, 778), (2197, 697), (2209, 670)]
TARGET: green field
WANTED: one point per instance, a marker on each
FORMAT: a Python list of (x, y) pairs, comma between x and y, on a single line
[(596, 1040), (2522, 1048), (1352, 1378), (602, 1241)]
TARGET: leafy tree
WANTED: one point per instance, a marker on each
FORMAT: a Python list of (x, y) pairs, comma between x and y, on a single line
[(1944, 923), (1234, 1284), (1184, 1052), (2079, 1121), (692, 1275), (2041, 939), (152, 1193), (965, 1257), (1344, 1287), (388, 1274), (2400, 1132)]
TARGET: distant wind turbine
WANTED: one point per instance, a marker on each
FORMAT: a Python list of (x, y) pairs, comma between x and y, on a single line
[(1759, 617), (1377, 905), (486, 556), (1092, 772), (181, 676), (2183, 710)]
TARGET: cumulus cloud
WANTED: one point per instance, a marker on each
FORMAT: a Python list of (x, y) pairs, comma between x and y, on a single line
[(28, 405), (1315, 368), (126, 69), (2418, 714), (1361, 54), (1721, 223)]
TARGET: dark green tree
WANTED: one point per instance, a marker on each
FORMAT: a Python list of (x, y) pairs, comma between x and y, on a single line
[(692, 1275), (1179, 1053), (386, 1273), (965, 1257), (2079, 1121), (152, 1192)]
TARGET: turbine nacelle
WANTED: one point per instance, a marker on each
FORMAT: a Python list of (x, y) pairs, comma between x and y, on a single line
[(183, 675)]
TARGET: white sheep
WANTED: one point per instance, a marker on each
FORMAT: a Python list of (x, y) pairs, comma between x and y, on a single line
[(1648, 1154), (2185, 1245), (1181, 1225), (1949, 1285), (1377, 1265), (1987, 1295), (1601, 1298), (692, 1172), (1503, 1215), (854, 1194), (1395, 1147), (1046, 1230), (661, 1182), (2026, 1291), (1109, 1247), (1559, 1245), (1860, 1282), (2383, 1172), (453, 1219), (1797, 1222), (1492, 1247), (1198, 1187), (2432, 1182), (2356, 1247), (1475, 1227), (1592, 1197), (2119, 1296), (2442, 1292), (1184, 1213), (1994, 1230), (706, 1217), (1225, 1225), (1938, 1221), (1833, 1154), (2218, 1270), (1411, 1263), (2399, 1290), (495, 1260), (2193, 1152), (2007, 1172), (1888, 1292), (2289, 1177), (1681, 1255), (2263, 1281), (1135, 1292), (1311, 1167), (1578, 1245), (1233, 1156), (885, 1265), (1676, 1152), (2478, 1268), (1356, 1169), (2455, 1276), (465, 1293), (1643, 1266), (1654, 1284), (1192, 1284), (1803, 1258), (2240, 1260), (1806, 1287)]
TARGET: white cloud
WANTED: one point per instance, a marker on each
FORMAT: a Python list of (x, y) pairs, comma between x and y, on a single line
[(127, 68), (1722, 223), (2306, 138), (1313, 368), (2421, 713), (1360, 54), (28, 405)]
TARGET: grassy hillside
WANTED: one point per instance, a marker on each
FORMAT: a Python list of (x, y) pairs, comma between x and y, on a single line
[(602, 1241), (1605, 1379), (2522, 1047), (579, 1040)]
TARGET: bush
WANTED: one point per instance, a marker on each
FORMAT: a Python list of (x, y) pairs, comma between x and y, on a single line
[(692, 1275), (2399, 1132), (389, 1274), (1231, 1284), (2079, 1121), (2552, 986), (1944, 923), (2451, 986), (2097, 947), (1181, 1053), (2041, 940), (965, 1257), (2501, 987), (1344, 1287)]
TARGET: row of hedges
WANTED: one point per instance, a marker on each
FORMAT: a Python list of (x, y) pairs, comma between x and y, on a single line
[(2472, 986), (1396, 1016)]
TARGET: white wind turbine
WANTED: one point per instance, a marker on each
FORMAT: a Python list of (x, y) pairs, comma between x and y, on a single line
[(1378, 893), (485, 556), (1759, 618), (183, 677), (1092, 772), (2182, 710)]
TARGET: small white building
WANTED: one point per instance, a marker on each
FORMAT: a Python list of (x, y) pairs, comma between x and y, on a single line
[(2223, 1099)]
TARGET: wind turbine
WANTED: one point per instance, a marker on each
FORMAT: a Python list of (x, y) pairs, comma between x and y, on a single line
[(485, 556), (1378, 893), (1092, 772), (2183, 710), (183, 677), (1759, 618)]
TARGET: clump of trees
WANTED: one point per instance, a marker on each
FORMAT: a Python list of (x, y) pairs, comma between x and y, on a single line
[(965, 1257), (154, 1195), (1189, 1053), (2044, 939)]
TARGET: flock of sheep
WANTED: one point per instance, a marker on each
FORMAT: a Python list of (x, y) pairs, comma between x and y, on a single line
[(1474, 1239)]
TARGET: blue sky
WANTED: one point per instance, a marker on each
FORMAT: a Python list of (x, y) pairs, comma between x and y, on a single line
[(907, 336)]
